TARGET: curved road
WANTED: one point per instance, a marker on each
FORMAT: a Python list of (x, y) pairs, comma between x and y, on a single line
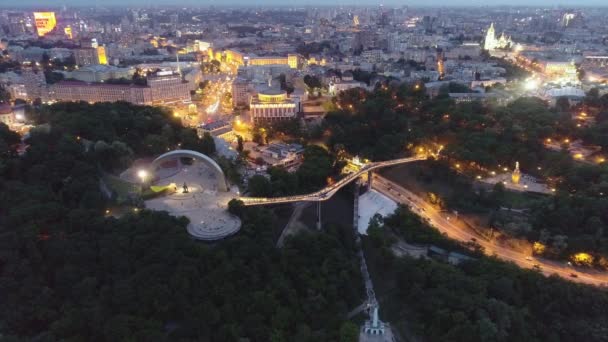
[(446, 224)]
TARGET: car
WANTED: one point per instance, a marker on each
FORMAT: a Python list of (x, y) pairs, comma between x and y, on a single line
[(529, 258), (574, 275), (473, 239), (536, 266)]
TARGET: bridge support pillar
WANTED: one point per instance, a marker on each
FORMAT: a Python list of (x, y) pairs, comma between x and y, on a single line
[(369, 180), (319, 215)]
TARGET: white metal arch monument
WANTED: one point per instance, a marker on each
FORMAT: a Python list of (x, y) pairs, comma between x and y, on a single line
[(222, 185)]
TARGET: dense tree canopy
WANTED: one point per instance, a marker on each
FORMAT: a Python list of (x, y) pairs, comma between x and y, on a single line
[(482, 299), (317, 166), (479, 137), (68, 271)]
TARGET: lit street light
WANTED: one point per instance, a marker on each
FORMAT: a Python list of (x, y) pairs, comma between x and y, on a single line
[(142, 174)]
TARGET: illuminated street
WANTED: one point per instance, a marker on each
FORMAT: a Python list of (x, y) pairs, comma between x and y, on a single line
[(450, 225)]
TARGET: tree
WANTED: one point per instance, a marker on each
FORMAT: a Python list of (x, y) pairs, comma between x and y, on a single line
[(239, 140), (236, 207), (203, 85), (349, 332), (259, 186), (562, 104), (207, 144), (313, 82), (5, 96), (315, 169)]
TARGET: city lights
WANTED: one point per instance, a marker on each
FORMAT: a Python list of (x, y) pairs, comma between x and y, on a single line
[(531, 84), (142, 174)]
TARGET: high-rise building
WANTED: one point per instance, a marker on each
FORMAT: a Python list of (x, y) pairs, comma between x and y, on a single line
[(45, 22), (16, 24), (240, 92)]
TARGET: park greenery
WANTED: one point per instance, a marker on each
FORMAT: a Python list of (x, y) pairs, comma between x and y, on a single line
[(118, 132), (482, 299), (71, 271), (317, 166), (391, 120)]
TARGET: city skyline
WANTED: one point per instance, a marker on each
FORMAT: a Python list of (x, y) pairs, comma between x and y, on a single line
[(361, 171), (308, 3)]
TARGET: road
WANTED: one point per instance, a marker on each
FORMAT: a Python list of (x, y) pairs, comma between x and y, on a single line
[(448, 224), (327, 192)]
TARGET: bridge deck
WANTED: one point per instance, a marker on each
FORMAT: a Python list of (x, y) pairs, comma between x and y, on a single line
[(327, 192)]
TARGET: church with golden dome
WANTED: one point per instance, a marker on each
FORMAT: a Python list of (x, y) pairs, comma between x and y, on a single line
[(493, 43)]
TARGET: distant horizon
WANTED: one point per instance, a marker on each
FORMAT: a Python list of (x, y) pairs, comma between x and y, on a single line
[(309, 3)]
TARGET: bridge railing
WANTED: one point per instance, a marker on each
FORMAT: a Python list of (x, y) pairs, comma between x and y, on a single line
[(327, 192)]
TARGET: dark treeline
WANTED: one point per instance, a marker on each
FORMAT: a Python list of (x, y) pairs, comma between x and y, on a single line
[(479, 300), (69, 272), (317, 166), (388, 121)]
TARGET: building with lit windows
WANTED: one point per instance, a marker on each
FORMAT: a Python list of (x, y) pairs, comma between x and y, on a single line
[(293, 60), (99, 92), (241, 88), (90, 56), (161, 88), (168, 87), (7, 116), (45, 22), (272, 105)]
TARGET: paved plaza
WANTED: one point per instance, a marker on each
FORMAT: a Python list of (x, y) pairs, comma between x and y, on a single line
[(527, 183), (203, 204)]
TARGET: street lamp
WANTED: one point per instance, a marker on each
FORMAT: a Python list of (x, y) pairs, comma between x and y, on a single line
[(142, 174)]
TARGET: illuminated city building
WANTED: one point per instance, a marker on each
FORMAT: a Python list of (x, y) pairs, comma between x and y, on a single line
[(7, 116), (233, 56), (318, 60), (91, 56), (101, 55), (99, 73), (493, 43), (45, 22), (168, 87), (272, 105), (162, 88), (68, 32), (294, 61), (565, 70), (240, 92)]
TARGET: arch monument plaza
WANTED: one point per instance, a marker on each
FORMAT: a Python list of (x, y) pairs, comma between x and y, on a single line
[(201, 193)]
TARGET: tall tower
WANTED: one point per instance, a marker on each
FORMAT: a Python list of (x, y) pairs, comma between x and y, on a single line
[(490, 42), (516, 175)]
